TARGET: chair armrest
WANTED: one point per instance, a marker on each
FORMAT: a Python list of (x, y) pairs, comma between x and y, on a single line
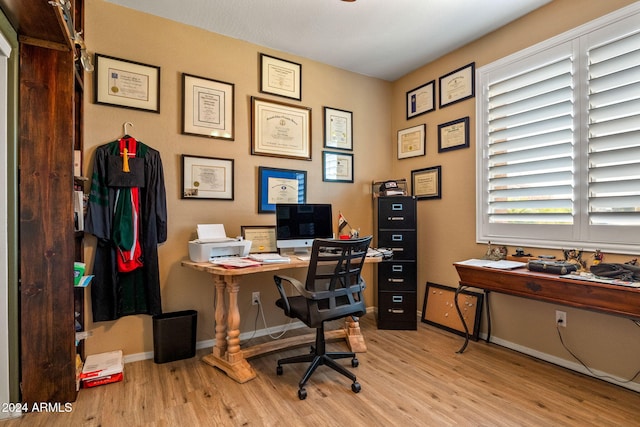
[(283, 295)]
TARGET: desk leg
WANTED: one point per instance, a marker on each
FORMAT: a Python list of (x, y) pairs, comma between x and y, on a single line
[(220, 349), (227, 355), (354, 335)]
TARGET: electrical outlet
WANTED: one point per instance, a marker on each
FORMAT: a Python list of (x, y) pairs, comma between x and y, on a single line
[(561, 318), (255, 298)]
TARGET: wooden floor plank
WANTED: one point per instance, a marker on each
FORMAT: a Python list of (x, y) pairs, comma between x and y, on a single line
[(408, 378)]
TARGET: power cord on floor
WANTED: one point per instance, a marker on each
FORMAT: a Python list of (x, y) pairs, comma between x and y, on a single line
[(637, 374)]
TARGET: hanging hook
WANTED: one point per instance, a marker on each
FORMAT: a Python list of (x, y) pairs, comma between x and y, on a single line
[(125, 127)]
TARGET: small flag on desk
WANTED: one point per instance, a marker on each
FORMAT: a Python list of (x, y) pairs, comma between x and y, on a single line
[(342, 223)]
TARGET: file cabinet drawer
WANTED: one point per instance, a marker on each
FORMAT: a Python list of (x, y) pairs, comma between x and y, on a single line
[(397, 276), (396, 212), (402, 243), (397, 310)]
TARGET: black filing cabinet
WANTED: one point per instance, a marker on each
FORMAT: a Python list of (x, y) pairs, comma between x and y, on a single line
[(398, 276)]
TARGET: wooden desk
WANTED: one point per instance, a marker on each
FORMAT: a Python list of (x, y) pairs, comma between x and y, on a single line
[(226, 354), (611, 299)]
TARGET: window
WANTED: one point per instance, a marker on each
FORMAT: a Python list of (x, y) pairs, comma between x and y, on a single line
[(558, 136)]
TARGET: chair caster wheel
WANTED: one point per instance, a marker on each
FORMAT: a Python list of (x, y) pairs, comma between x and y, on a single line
[(279, 370), (355, 362), (355, 387), (302, 394)]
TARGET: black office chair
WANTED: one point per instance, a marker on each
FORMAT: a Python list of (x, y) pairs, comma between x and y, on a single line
[(333, 290)]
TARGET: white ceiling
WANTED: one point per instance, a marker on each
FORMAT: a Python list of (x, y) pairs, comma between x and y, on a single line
[(379, 38)]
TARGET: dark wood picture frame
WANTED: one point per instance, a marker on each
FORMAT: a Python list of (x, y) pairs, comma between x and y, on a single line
[(438, 309)]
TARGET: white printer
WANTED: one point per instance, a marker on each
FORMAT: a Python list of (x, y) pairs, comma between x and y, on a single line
[(212, 242)]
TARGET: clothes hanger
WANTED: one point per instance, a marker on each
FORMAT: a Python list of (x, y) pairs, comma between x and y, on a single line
[(126, 132)]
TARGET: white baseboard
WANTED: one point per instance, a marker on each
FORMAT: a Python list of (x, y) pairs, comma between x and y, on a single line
[(243, 337), (604, 376)]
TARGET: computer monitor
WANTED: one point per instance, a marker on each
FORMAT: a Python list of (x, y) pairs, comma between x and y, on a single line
[(297, 225)]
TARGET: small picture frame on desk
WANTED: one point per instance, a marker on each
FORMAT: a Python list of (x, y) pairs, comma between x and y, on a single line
[(263, 238)]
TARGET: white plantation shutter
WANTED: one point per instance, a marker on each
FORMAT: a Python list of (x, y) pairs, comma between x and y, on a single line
[(530, 146), (614, 134), (559, 140)]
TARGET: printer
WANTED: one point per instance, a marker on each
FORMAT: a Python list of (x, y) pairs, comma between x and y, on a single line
[(212, 242)]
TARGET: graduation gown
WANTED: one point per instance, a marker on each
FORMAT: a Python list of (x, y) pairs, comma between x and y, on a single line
[(115, 294)]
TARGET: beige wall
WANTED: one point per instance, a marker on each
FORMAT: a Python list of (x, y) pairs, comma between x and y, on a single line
[(123, 33), (447, 226)]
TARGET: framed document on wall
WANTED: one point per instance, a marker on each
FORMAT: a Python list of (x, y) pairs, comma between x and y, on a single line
[(280, 130), (280, 77), (280, 186), (207, 107), (127, 84)]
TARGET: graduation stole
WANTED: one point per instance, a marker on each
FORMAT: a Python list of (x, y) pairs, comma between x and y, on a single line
[(127, 215)]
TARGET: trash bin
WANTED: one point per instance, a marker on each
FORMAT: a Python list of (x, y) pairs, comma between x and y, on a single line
[(174, 336)]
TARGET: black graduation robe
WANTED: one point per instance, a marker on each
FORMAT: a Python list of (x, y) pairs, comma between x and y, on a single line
[(115, 294)]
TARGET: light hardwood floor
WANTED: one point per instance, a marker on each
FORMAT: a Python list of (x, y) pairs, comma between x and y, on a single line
[(408, 378)]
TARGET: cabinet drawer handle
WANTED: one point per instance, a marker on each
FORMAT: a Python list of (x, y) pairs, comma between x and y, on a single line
[(396, 237), (395, 218), (397, 298), (396, 310), (396, 206), (397, 249), (396, 280), (396, 268)]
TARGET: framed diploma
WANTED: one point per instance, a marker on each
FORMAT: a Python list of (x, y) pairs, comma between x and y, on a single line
[(207, 107), (280, 186), (337, 167), (127, 84), (280, 77), (421, 100), (427, 183), (411, 141), (207, 178), (453, 135), (338, 129), (280, 130), (263, 237), (458, 85)]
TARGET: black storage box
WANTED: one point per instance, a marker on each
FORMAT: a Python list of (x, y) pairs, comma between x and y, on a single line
[(174, 336)]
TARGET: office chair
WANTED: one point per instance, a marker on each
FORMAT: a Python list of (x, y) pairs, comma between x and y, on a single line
[(333, 290)]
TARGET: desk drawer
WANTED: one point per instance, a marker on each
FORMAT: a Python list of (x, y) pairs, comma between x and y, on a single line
[(397, 276), (401, 242), (397, 310)]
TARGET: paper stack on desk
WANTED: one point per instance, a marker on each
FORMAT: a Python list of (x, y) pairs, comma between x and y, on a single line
[(269, 258)]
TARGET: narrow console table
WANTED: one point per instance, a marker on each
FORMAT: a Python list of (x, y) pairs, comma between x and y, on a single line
[(605, 298)]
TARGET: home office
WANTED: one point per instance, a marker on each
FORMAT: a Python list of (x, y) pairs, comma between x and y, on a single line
[(446, 225)]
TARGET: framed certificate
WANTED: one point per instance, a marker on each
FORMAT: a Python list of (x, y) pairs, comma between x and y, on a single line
[(207, 178), (427, 183), (458, 85), (421, 100), (453, 135), (263, 237), (411, 141), (127, 84), (207, 107), (337, 167), (280, 77), (280, 130), (280, 186), (338, 129)]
